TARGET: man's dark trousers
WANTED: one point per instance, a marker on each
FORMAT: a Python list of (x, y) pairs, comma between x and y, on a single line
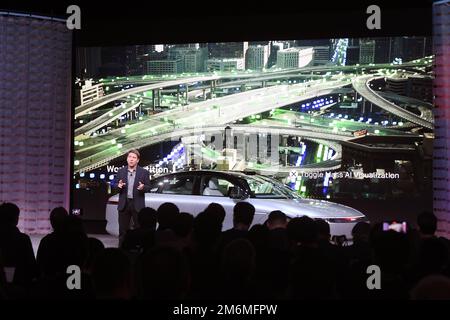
[(125, 217)]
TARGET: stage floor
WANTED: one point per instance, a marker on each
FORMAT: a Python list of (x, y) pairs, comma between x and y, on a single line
[(108, 240)]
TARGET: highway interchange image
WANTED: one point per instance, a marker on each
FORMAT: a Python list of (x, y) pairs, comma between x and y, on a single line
[(342, 120)]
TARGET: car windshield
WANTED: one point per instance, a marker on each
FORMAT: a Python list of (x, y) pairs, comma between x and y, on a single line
[(263, 187)]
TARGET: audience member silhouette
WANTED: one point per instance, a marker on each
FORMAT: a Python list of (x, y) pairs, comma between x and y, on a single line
[(323, 232), (95, 247), (217, 211), (166, 214), (112, 275), (427, 223), (258, 235), (142, 238), (182, 228), (433, 258), (3, 283), (203, 255), (359, 251), (237, 269), (164, 274), (191, 258), (16, 248), (243, 213), (50, 242), (312, 272), (276, 258), (266, 268), (358, 256), (276, 223), (66, 246), (391, 253), (433, 287), (303, 231)]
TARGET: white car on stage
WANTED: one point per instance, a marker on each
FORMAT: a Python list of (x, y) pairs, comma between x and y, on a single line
[(193, 191)]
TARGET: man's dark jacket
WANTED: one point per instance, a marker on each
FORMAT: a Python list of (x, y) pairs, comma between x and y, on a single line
[(142, 175)]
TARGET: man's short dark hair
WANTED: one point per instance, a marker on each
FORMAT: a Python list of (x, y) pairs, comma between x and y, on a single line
[(361, 231), (323, 227), (57, 218), (136, 152), (147, 218), (216, 210), (165, 274), (183, 224), (111, 272), (243, 212), (9, 214), (277, 216), (427, 222), (302, 229), (166, 214), (206, 229)]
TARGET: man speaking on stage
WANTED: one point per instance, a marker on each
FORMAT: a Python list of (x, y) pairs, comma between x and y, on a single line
[(133, 182)]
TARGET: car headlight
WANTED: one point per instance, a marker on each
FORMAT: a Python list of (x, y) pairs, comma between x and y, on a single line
[(347, 220)]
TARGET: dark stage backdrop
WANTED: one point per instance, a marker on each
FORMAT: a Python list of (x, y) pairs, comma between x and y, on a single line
[(35, 116)]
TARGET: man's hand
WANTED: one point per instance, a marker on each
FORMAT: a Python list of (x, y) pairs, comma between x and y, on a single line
[(121, 184), (140, 186)]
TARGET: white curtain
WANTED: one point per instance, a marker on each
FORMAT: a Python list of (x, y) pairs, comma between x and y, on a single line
[(441, 153), (35, 117)]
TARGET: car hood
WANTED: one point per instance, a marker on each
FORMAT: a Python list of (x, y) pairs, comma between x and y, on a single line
[(299, 207), (309, 207)]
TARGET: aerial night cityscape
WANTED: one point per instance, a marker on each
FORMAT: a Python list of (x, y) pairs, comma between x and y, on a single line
[(337, 119)]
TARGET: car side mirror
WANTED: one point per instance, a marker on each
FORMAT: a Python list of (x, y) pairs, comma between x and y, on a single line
[(237, 193)]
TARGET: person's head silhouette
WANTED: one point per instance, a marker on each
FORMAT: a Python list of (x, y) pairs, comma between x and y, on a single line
[(243, 213), (58, 218), (9, 214), (427, 223)]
